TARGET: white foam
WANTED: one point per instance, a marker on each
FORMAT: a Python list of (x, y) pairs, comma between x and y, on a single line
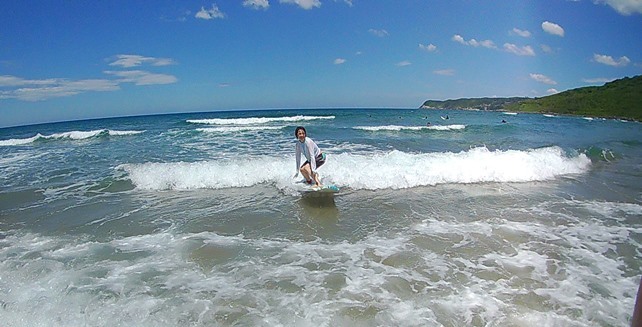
[(569, 264), (234, 129), (82, 135), (21, 141), (124, 133), (72, 135), (395, 170), (171, 278), (213, 174), (398, 169), (510, 113), (447, 127), (410, 128), (609, 209), (255, 120), (13, 158), (526, 264), (76, 135)]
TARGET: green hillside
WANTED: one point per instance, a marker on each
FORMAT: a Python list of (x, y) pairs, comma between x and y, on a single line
[(472, 103), (618, 99)]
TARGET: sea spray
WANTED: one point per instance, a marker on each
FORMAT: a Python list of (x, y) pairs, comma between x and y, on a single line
[(392, 170)]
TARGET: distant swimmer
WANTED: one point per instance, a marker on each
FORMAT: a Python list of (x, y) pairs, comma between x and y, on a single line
[(503, 121), (428, 124), (311, 152)]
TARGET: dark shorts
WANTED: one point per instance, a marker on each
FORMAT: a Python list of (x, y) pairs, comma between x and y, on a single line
[(320, 160)]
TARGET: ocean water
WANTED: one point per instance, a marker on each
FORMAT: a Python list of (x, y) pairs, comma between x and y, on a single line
[(195, 220)]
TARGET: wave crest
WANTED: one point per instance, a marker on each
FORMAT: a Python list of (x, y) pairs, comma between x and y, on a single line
[(392, 170), (396, 128), (255, 120), (71, 135)]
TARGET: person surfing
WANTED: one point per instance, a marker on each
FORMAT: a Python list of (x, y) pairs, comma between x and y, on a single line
[(313, 155)]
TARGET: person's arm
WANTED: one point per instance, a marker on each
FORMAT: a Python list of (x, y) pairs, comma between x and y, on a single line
[(298, 157)]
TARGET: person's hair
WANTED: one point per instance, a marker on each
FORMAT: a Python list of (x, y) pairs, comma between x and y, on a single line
[(296, 131)]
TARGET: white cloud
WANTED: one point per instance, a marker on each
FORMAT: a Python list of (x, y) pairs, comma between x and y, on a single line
[(472, 42), (403, 63), (552, 91), (624, 7), (305, 4), (543, 79), (210, 14), (128, 61), (521, 33), (256, 4), (445, 72), (38, 90), (520, 51), (430, 47), (14, 87), (458, 38), (488, 44), (608, 60), (339, 61), (140, 77), (553, 28), (379, 33), (12, 81)]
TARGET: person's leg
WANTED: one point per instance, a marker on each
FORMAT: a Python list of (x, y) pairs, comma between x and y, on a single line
[(306, 171), (320, 160)]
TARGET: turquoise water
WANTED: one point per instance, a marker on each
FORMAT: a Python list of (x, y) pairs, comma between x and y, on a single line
[(194, 219)]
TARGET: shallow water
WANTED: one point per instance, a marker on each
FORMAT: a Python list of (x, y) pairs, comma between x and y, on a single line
[(161, 220)]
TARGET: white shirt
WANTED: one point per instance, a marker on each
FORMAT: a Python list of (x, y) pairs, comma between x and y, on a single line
[(310, 150)]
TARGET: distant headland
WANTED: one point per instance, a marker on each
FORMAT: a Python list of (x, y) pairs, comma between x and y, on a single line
[(620, 99)]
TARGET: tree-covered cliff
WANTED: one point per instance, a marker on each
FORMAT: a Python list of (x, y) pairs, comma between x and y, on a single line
[(621, 98)]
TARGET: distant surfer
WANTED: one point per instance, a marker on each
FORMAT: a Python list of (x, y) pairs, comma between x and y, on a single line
[(310, 150)]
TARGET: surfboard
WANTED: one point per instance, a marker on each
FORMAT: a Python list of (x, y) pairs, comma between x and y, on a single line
[(326, 188)]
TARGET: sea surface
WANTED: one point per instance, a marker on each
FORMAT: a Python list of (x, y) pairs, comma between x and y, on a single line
[(444, 218)]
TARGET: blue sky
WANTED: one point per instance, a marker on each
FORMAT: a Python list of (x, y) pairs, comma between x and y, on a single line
[(67, 60)]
